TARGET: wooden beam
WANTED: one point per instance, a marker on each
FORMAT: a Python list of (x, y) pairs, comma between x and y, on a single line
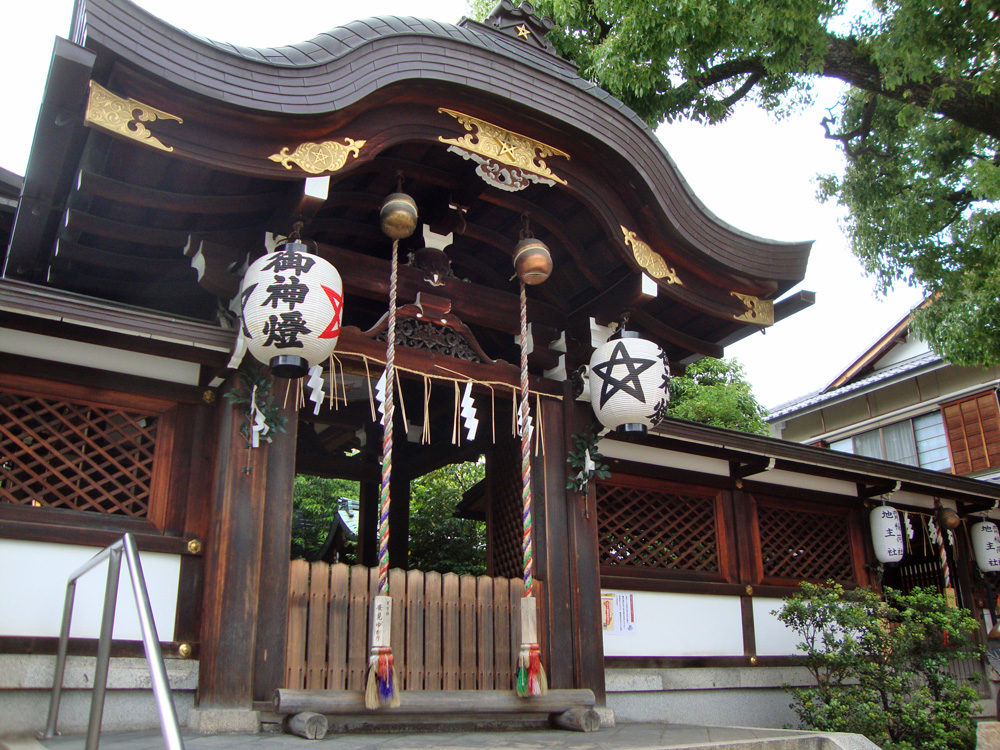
[(660, 330), (873, 488), (94, 184), (474, 304), (455, 702), (758, 465), (69, 253)]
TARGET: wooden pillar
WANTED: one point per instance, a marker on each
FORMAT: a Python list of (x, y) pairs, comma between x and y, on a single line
[(584, 560), (368, 524), (553, 558), (399, 521), (232, 567), (272, 612)]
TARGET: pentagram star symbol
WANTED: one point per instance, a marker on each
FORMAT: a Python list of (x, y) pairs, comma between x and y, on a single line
[(630, 383), (506, 147), (522, 31)]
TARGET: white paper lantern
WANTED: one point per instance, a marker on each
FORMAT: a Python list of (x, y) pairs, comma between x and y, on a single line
[(986, 546), (628, 383), (291, 302), (887, 534)]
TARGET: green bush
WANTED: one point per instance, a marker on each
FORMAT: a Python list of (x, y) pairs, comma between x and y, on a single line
[(879, 666)]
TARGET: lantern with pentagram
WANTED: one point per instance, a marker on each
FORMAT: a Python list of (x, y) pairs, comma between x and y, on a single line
[(986, 546), (628, 383), (291, 302)]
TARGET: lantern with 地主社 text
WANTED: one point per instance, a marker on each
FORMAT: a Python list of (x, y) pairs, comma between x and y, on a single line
[(628, 383), (291, 303), (986, 546), (887, 534)]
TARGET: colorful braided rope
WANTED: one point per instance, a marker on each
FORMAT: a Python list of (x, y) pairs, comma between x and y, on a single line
[(390, 381), (526, 545)]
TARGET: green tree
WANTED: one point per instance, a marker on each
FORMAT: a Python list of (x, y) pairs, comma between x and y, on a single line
[(438, 540), (880, 666), (315, 502), (716, 392), (919, 121)]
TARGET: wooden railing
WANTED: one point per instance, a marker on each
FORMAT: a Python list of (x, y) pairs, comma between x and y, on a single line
[(449, 632)]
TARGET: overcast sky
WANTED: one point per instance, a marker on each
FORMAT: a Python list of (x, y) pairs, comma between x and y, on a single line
[(753, 171)]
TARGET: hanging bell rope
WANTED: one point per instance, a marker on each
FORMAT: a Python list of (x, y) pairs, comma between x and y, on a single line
[(531, 680), (398, 219)]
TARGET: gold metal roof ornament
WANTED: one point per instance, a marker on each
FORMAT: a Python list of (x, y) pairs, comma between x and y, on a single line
[(759, 311), (506, 159), (317, 158), (649, 259), (124, 117)]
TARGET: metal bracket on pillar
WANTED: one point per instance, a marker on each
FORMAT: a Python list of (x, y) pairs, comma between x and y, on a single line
[(874, 488)]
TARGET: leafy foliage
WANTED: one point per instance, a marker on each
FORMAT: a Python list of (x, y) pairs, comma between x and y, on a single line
[(716, 392), (315, 502), (919, 122), (585, 441), (879, 666), (438, 540), (253, 377)]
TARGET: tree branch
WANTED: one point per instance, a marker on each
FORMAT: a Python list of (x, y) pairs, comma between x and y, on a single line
[(845, 61)]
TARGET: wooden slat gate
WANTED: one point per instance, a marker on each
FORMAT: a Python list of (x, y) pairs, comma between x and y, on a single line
[(449, 632)]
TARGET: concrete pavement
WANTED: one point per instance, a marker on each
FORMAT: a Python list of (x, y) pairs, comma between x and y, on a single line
[(626, 736)]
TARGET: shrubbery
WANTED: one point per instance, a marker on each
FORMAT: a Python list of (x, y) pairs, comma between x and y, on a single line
[(879, 665)]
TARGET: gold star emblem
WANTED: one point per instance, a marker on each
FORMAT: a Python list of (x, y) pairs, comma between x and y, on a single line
[(522, 31), (506, 147)]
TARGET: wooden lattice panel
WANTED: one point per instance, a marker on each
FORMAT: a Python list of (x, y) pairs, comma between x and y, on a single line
[(65, 454), (799, 545), (644, 528), (506, 522)]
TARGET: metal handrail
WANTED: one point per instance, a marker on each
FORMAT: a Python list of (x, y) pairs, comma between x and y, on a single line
[(150, 641)]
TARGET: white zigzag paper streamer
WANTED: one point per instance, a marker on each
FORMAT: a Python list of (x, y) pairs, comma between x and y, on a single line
[(527, 426), (380, 395), (258, 424), (315, 385), (909, 525), (469, 413)]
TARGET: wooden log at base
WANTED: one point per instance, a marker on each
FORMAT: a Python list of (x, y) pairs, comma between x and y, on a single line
[(454, 702), (307, 724), (579, 719)]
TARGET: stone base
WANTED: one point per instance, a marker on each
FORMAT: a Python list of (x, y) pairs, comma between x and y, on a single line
[(988, 735), (224, 721), (607, 717)]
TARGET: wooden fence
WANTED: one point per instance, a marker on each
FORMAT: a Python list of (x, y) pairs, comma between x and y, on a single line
[(449, 632)]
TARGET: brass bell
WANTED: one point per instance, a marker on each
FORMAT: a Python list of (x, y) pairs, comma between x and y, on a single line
[(532, 261), (398, 216), (949, 518)]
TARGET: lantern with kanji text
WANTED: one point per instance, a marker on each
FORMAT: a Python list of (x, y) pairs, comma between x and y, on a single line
[(887, 534), (291, 302), (986, 546)]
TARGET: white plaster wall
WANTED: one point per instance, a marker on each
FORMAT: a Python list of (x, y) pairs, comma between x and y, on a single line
[(773, 638), (91, 355), (33, 591), (679, 625)]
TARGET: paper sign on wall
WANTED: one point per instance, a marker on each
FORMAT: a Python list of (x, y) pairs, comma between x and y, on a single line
[(618, 612)]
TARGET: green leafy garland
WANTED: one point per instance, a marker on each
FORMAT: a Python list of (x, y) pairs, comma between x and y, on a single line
[(579, 476), (254, 375)]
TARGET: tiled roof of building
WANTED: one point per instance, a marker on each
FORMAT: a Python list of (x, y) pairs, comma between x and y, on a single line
[(887, 373)]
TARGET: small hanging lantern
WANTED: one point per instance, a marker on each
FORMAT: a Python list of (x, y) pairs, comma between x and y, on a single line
[(532, 259), (887, 534), (628, 383), (986, 546), (291, 302)]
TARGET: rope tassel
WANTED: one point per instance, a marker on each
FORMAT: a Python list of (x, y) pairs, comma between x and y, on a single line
[(380, 690), (531, 679)]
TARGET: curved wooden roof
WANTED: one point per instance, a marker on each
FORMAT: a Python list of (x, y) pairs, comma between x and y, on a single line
[(339, 68), (105, 214)]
